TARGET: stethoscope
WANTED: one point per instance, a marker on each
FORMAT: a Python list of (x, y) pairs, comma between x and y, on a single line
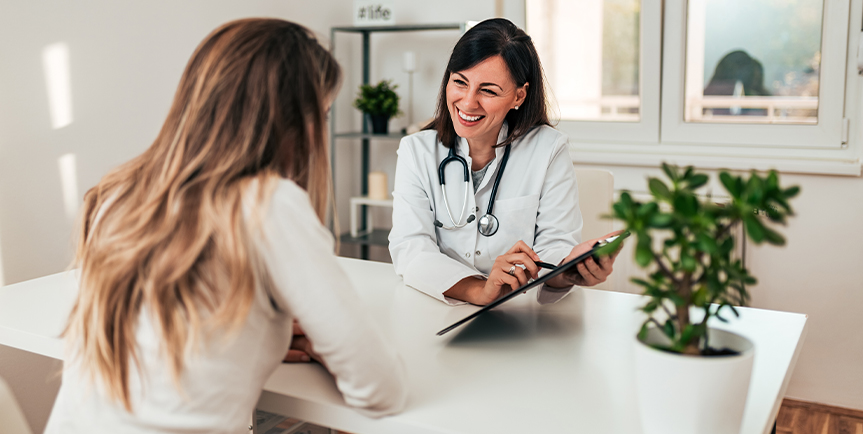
[(488, 224)]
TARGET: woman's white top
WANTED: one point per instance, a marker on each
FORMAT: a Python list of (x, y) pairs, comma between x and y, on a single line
[(536, 202), (222, 380)]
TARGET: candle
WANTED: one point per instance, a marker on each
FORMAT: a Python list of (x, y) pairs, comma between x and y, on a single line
[(409, 61), (378, 186)]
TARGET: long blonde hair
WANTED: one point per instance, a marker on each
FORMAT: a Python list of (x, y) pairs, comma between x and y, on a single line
[(166, 230)]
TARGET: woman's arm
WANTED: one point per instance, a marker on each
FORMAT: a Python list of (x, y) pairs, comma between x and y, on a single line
[(511, 270), (413, 240), (310, 284), (559, 225), (558, 220)]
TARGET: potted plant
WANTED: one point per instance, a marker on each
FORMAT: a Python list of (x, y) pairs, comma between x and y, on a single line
[(693, 378), (379, 103)]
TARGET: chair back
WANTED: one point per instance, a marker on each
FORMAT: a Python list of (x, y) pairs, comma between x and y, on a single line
[(595, 197), (12, 417)]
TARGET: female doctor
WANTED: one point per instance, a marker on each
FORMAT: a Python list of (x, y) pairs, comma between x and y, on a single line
[(488, 188)]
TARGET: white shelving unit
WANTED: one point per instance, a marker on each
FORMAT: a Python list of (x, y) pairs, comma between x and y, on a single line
[(365, 203), (362, 231)]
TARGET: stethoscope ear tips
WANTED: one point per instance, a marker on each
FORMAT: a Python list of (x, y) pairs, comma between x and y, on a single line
[(438, 223), (471, 218)]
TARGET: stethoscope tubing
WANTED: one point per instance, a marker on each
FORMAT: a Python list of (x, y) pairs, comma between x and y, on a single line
[(497, 180), (484, 229)]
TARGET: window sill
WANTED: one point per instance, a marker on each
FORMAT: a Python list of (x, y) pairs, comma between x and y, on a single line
[(844, 164)]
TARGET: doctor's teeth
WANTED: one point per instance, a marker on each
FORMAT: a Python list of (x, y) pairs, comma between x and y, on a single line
[(469, 118)]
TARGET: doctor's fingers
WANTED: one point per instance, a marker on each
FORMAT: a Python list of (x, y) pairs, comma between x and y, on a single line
[(518, 273), (503, 282), (596, 268), (520, 259), (298, 330), (296, 356), (590, 273), (607, 263), (521, 246), (303, 344)]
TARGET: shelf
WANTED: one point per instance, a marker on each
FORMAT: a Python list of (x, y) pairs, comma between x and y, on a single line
[(364, 200), (361, 208), (390, 136), (378, 237), (405, 28)]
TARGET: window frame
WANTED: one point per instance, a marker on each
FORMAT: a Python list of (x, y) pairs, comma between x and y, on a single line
[(826, 133), (598, 147)]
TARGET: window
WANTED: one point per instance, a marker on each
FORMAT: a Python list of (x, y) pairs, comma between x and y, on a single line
[(593, 61), (597, 78), (739, 83), (753, 62)]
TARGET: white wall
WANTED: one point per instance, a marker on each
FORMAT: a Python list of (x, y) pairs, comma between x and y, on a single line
[(126, 59), (820, 273)]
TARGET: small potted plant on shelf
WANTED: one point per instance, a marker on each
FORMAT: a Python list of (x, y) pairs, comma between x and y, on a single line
[(693, 378), (379, 103)]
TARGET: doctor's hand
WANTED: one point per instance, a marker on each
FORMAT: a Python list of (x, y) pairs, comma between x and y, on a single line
[(301, 348), (590, 271), (511, 270)]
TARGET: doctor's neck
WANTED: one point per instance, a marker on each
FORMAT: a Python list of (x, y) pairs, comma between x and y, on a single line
[(481, 152)]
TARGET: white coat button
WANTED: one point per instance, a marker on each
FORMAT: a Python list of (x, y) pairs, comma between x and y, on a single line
[(478, 253), (467, 255)]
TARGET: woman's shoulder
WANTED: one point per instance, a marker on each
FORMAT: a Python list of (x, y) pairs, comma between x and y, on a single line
[(418, 146), (288, 189), (545, 137), (546, 134), (425, 139), (277, 196)]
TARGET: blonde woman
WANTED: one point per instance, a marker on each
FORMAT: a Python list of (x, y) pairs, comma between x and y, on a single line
[(197, 256)]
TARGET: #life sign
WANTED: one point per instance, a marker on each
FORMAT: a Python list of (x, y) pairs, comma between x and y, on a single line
[(371, 13)]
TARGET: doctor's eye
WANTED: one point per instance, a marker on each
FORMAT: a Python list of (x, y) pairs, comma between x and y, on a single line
[(489, 92), (459, 82)]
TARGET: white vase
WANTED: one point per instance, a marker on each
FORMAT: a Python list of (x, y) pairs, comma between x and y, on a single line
[(681, 394)]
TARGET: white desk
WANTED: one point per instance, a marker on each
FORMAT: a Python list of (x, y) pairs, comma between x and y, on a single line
[(524, 368)]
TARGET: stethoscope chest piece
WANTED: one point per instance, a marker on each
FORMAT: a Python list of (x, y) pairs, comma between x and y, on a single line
[(488, 225)]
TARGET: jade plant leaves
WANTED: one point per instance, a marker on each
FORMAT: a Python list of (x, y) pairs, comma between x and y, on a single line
[(694, 266)]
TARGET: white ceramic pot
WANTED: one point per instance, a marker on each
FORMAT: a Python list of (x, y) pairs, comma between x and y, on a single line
[(693, 394)]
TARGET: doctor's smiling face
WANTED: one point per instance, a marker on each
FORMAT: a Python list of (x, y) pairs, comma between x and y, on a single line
[(479, 99)]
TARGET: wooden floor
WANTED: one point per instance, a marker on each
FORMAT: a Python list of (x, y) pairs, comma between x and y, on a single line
[(798, 417)]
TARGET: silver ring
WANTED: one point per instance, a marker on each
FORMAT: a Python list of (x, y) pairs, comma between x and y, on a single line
[(511, 270)]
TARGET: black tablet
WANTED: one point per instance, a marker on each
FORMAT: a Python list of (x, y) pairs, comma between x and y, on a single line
[(605, 246)]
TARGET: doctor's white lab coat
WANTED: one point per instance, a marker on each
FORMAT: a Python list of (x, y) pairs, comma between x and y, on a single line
[(536, 202)]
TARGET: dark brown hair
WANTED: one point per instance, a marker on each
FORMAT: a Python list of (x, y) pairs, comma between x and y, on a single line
[(497, 37)]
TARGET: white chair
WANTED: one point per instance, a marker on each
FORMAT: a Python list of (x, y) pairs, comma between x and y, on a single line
[(11, 417), (595, 197)]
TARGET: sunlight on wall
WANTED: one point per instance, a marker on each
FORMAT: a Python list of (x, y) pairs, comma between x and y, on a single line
[(69, 183), (55, 61)]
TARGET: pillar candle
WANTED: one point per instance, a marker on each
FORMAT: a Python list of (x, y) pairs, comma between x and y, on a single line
[(378, 186), (409, 61)]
